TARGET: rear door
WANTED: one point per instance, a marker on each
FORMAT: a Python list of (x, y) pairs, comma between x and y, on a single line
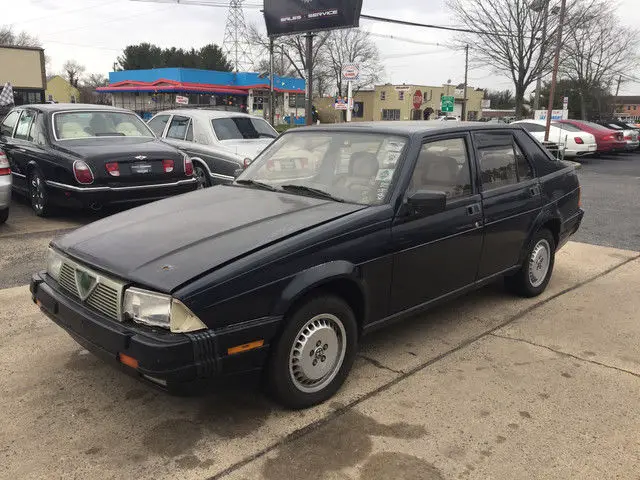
[(20, 149), (511, 199), (8, 144)]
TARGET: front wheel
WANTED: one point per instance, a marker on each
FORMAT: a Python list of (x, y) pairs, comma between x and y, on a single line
[(314, 353), (534, 275)]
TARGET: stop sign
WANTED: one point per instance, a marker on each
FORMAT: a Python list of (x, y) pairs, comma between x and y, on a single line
[(417, 100)]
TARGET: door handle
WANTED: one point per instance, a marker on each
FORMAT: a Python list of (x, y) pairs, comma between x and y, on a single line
[(473, 209), (534, 191)]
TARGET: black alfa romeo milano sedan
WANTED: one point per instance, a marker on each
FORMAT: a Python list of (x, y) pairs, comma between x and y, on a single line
[(76, 156), (329, 234)]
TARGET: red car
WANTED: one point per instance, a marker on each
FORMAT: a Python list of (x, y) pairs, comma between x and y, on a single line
[(608, 140)]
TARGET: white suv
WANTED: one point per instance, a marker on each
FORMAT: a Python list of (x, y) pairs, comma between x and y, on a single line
[(5, 187)]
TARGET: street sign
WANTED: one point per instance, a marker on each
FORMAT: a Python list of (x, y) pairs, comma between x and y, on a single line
[(286, 17), (180, 100), (417, 100), (448, 103), (565, 103), (555, 114), (402, 88), (485, 104), (351, 72)]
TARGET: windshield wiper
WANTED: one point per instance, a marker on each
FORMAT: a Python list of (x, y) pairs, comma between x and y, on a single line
[(255, 183), (313, 191)]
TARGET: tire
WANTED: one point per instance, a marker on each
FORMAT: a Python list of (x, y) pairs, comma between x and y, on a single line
[(534, 275), (201, 176), (314, 353), (4, 214), (38, 194)]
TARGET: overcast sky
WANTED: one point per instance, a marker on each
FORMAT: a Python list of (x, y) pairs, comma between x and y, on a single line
[(94, 32)]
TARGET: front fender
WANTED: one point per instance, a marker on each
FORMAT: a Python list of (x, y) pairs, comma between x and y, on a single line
[(315, 277)]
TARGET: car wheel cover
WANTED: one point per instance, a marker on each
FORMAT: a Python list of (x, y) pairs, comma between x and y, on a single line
[(317, 353), (201, 178), (539, 263), (37, 193)]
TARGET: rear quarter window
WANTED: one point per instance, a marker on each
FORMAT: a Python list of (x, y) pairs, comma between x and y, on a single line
[(543, 162)]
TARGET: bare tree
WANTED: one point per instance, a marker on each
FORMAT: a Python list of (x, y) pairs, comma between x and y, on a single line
[(353, 46), (509, 37), (22, 39), (73, 71), (596, 52)]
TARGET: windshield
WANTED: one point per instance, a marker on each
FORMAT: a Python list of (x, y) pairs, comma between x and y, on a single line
[(566, 126), (242, 128), (87, 124), (352, 167)]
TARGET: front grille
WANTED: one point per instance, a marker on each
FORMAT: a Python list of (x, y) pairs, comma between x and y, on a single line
[(105, 297), (105, 300), (68, 279)]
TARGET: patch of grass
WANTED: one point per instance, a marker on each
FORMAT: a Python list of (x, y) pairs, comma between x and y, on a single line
[(284, 127)]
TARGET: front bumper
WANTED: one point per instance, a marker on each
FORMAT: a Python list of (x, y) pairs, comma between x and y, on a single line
[(74, 196), (5, 191), (178, 363), (632, 145)]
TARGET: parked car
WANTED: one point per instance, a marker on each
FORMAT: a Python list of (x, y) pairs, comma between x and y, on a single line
[(608, 140), (218, 142), (74, 155), (576, 143), (5, 187), (630, 132), (283, 277)]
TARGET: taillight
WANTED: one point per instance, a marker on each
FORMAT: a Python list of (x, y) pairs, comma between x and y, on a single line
[(188, 167), (579, 141), (82, 172), (627, 137), (620, 136), (113, 169), (4, 164), (246, 162), (167, 166), (609, 137)]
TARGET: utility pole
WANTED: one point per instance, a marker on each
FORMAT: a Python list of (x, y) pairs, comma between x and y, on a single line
[(466, 77), (545, 21), (554, 76), (272, 103), (309, 100), (618, 87)]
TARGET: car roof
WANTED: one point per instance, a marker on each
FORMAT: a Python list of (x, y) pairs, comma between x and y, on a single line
[(205, 114), (417, 127), (71, 107)]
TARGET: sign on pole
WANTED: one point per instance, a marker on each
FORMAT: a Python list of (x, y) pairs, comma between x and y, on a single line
[(351, 72), (417, 100), (448, 103), (555, 114), (286, 17), (565, 103)]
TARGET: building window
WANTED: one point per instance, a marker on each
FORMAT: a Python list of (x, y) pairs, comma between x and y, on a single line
[(383, 95), (401, 96), (73, 99), (391, 114), (358, 109), (297, 100), (629, 107), (258, 103)]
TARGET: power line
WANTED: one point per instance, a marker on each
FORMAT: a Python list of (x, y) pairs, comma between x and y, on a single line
[(216, 4), (436, 27)]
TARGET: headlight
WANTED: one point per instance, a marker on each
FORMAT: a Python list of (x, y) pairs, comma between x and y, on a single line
[(54, 264), (158, 310)]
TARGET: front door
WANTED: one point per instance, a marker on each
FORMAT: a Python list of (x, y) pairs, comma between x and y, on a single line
[(438, 254), (511, 200)]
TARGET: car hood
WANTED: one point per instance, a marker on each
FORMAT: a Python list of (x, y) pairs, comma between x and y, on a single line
[(165, 244), (247, 148), (118, 147)]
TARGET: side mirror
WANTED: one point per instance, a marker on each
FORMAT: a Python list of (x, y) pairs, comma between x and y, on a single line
[(236, 173), (426, 202)]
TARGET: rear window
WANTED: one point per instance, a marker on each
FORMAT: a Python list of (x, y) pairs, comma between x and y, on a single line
[(566, 126), (242, 128), (88, 124)]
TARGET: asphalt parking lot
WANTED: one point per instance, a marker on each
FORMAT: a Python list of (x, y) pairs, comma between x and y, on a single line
[(490, 386)]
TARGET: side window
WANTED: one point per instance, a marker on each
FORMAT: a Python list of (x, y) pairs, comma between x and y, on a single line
[(24, 124), (158, 123), (9, 122), (502, 162), (178, 127), (36, 134), (443, 165), (189, 137)]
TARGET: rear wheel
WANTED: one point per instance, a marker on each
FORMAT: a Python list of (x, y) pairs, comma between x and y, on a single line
[(202, 177), (314, 353), (534, 275), (38, 194), (4, 214)]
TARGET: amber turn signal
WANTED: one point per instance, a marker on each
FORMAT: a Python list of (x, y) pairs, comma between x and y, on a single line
[(127, 360), (245, 347)]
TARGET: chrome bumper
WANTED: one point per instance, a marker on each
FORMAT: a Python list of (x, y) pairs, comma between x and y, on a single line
[(5, 191)]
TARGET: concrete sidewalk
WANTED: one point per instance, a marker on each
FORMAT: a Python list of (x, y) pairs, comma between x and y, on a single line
[(489, 386)]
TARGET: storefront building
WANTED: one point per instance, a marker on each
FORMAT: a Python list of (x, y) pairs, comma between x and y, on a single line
[(24, 69), (150, 91)]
